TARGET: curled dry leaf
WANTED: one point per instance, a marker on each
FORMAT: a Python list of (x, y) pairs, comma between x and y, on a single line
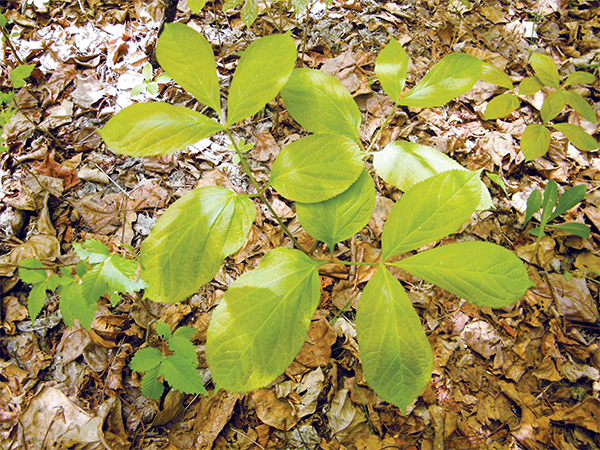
[(276, 412)]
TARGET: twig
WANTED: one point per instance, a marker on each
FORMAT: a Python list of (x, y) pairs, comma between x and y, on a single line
[(113, 182)]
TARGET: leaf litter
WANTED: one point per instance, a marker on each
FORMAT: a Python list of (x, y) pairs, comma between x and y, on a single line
[(525, 376)]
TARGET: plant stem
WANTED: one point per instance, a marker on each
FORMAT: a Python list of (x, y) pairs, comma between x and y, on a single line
[(10, 44), (353, 263), (261, 192), (385, 122)]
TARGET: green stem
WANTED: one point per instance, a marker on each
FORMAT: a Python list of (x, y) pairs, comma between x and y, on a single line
[(353, 263), (385, 122), (261, 191)]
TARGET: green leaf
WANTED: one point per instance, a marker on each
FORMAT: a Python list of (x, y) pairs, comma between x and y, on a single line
[(316, 168), (263, 70), (390, 68), (185, 333), (183, 375), (262, 323), (92, 250), (18, 75), (163, 78), (147, 71), (196, 5), (498, 180), (501, 106), (152, 88), (530, 86), (545, 69), (454, 75), (321, 104), (150, 385), (548, 203), (581, 106), (113, 275), (580, 78), (299, 6), (137, 89), (36, 300), (534, 203), (568, 200), (146, 359), (484, 274), (3, 20), (342, 216), (492, 74), (189, 59), (403, 164), (191, 239), (249, 12), (577, 135), (553, 105), (183, 348), (36, 275), (395, 353), (163, 330), (576, 229), (430, 210), (73, 305), (230, 4), (147, 129), (535, 141)]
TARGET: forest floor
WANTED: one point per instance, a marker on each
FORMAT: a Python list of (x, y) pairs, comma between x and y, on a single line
[(521, 377)]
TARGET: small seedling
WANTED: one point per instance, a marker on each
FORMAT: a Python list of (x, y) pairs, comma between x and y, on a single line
[(552, 208), (148, 84), (244, 148), (98, 274), (178, 369)]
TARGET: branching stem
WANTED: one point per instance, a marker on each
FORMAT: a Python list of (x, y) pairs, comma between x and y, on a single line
[(261, 192)]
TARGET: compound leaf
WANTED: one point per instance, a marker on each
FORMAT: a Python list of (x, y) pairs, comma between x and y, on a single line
[(182, 374), (553, 105), (484, 274), (535, 141), (342, 216), (185, 333), (146, 359), (390, 68), (17, 75), (150, 385), (262, 323), (321, 104), (31, 271), (492, 74), (190, 241), (545, 69), (395, 353), (403, 164), (454, 75), (501, 106), (188, 58), (147, 129), (263, 70), (430, 210), (36, 300), (576, 229), (581, 106), (577, 136), (580, 78), (530, 86), (116, 274), (182, 347), (317, 167)]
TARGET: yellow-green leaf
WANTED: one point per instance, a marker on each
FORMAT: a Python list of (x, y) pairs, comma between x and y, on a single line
[(390, 67), (577, 135), (492, 74), (535, 141), (545, 69), (501, 106)]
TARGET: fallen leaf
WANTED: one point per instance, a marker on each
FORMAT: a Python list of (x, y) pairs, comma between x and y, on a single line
[(273, 411)]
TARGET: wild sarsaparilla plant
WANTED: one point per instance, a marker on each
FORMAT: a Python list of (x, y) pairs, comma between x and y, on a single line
[(263, 320)]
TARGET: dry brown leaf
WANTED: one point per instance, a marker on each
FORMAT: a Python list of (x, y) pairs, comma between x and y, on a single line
[(50, 168), (316, 351), (273, 411)]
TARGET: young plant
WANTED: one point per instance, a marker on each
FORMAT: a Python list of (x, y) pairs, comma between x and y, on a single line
[(179, 369), (148, 84), (536, 137), (99, 273), (552, 208), (264, 318)]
